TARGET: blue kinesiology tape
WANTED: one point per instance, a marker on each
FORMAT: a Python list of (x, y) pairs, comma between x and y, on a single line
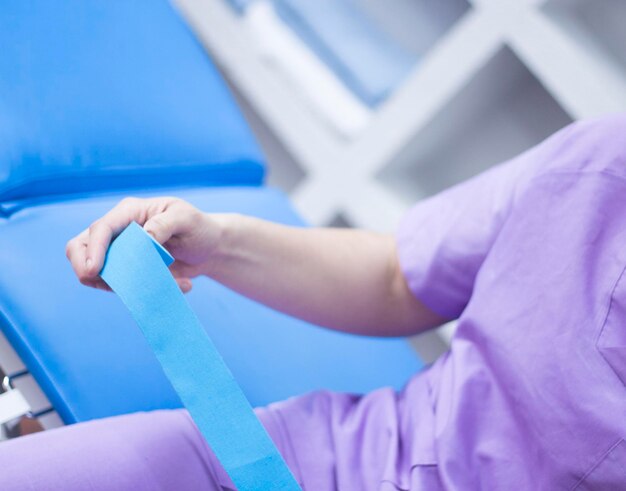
[(136, 268)]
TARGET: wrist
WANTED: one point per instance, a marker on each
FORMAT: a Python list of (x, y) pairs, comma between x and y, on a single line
[(225, 228)]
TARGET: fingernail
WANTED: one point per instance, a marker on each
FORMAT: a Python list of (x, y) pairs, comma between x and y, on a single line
[(88, 264)]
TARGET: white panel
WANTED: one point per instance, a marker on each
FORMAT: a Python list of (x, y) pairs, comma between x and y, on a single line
[(500, 112), (12, 405), (317, 85)]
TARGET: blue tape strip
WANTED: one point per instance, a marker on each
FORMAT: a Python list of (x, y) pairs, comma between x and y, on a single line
[(136, 269)]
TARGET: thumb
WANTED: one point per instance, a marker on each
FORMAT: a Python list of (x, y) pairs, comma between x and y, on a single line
[(163, 226)]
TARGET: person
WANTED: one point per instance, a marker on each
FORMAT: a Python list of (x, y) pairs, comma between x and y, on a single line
[(528, 256)]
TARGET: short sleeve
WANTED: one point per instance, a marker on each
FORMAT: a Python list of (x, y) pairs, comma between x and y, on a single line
[(443, 241)]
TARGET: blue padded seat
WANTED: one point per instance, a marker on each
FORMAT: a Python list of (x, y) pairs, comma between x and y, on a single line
[(98, 98), (112, 94), (91, 360)]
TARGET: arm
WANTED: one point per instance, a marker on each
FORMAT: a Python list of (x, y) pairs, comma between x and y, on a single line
[(347, 280)]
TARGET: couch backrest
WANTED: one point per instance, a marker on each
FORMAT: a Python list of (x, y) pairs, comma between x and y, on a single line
[(112, 95)]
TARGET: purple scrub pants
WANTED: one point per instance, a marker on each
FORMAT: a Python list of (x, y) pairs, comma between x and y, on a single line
[(158, 451), (161, 450)]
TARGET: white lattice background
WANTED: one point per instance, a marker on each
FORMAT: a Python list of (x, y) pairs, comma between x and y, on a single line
[(502, 78)]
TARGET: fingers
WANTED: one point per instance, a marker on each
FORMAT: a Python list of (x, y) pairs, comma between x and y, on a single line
[(100, 235), (180, 269), (161, 217), (86, 252), (97, 283), (76, 251), (163, 226), (184, 284), (102, 231)]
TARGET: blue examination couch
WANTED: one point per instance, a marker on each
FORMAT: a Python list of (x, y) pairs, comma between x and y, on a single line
[(104, 99)]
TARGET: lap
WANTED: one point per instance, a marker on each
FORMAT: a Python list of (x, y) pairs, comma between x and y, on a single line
[(338, 441), (157, 450), (160, 450), (329, 440)]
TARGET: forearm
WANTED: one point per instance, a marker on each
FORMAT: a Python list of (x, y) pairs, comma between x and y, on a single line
[(347, 280)]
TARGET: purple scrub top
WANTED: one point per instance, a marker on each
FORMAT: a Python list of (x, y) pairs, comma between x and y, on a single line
[(530, 257)]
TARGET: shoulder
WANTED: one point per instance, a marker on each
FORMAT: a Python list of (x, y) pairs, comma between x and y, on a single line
[(590, 146)]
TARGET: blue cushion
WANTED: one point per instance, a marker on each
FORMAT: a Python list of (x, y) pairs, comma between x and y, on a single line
[(91, 360), (112, 94)]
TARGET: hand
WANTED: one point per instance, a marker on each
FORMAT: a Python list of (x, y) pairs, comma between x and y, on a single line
[(187, 233)]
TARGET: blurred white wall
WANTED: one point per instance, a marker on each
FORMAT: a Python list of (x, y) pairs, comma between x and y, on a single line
[(494, 77)]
